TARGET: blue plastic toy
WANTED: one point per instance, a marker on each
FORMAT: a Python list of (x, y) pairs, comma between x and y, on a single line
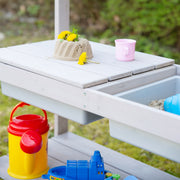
[(172, 104), (80, 170), (83, 170), (130, 178)]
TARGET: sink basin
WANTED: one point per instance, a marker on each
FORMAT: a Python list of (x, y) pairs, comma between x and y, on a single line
[(143, 95), (154, 91), (139, 124)]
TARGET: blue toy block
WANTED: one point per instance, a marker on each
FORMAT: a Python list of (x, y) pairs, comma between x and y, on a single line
[(131, 178), (96, 167), (71, 169), (82, 170)]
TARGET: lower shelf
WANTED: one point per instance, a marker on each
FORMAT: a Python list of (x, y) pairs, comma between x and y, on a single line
[(69, 146)]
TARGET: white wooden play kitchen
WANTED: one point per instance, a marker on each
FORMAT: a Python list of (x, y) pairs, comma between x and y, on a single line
[(117, 90)]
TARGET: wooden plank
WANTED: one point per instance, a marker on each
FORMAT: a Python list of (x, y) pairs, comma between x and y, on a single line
[(62, 16), (60, 125), (108, 71), (135, 66), (44, 67), (112, 158), (45, 93), (141, 117), (141, 59), (177, 69), (108, 67), (58, 154), (54, 106), (158, 61), (105, 55), (136, 81), (41, 85), (147, 141)]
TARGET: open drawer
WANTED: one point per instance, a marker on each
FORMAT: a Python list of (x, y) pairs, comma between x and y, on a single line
[(139, 124)]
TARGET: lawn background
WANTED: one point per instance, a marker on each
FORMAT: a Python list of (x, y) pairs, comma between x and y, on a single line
[(154, 24)]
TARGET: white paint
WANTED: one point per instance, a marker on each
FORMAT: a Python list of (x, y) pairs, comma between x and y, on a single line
[(61, 14)]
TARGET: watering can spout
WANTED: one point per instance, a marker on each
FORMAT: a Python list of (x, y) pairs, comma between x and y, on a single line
[(31, 143)]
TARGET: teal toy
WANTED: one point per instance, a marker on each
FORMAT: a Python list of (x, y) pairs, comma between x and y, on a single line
[(172, 104), (131, 178)]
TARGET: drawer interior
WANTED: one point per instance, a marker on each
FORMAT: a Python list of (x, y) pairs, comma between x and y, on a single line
[(154, 91)]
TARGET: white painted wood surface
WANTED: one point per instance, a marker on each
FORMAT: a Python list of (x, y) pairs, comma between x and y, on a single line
[(39, 59), (126, 112), (62, 16), (109, 72), (143, 62), (52, 105), (31, 67), (147, 141), (125, 84), (69, 146), (61, 23), (60, 125), (134, 114), (45, 67)]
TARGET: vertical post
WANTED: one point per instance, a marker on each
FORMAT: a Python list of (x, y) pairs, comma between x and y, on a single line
[(62, 14), (61, 23), (60, 125)]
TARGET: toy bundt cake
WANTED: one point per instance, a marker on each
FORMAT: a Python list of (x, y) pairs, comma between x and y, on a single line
[(69, 47)]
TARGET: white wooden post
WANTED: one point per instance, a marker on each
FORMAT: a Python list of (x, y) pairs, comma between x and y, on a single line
[(60, 125), (61, 23), (61, 16)]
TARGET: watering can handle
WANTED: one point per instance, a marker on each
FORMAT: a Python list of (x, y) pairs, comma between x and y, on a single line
[(22, 104)]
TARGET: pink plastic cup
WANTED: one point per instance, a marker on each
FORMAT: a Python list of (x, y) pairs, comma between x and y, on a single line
[(125, 49)]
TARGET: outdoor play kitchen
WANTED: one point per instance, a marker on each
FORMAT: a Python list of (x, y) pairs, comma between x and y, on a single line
[(116, 82)]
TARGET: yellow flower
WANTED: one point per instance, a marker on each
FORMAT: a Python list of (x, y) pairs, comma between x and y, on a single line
[(82, 58), (63, 34), (71, 37)]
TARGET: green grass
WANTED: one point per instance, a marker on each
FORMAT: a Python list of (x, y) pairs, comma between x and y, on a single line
[(96, 131), (6, 106), (99, 132)]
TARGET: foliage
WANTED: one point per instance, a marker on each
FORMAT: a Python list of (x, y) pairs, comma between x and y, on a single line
[(33, 10), (157, 19), (6, 106), (98, 131), (154, 24)]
